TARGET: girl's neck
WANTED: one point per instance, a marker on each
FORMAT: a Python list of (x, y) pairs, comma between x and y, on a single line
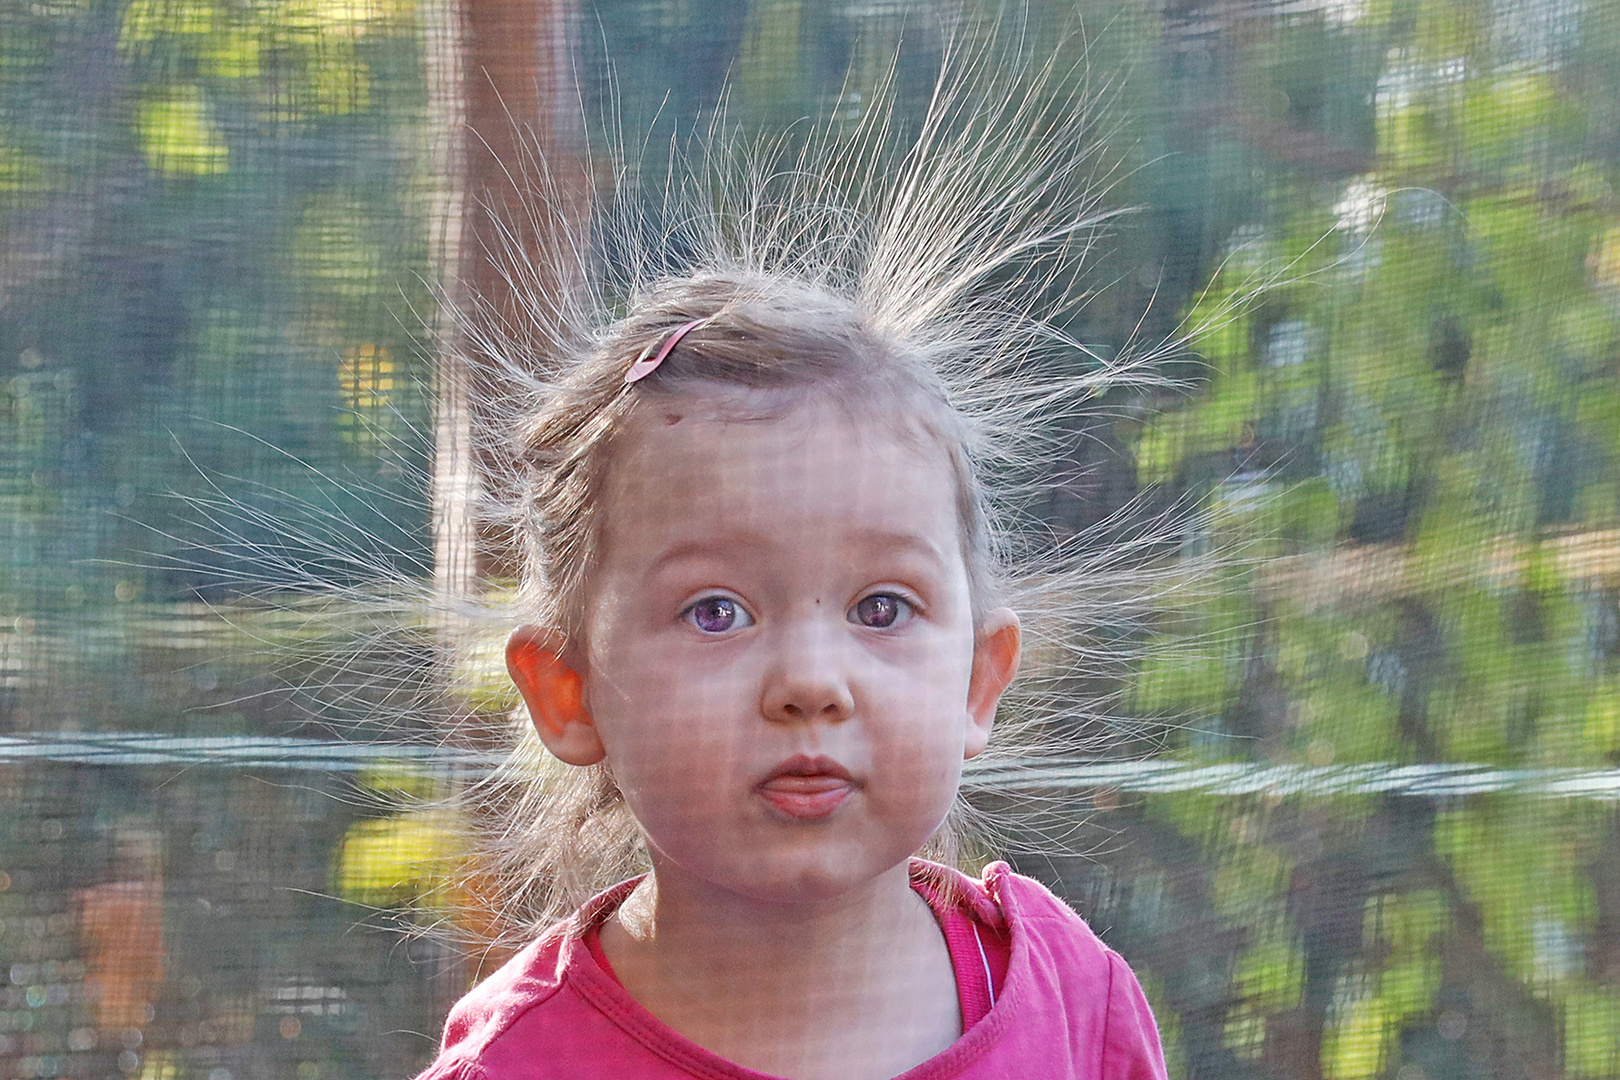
[(858, 985)]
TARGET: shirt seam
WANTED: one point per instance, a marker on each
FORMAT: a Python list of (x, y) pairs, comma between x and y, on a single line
[(1108, 1011), (673, 1050)]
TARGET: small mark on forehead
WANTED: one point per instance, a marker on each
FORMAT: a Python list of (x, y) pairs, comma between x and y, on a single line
[(673, 418)]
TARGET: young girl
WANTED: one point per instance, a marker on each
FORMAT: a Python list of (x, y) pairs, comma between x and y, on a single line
[(768, 566)]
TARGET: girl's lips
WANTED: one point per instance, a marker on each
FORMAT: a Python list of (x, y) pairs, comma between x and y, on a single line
[(807, 787), (806, 796)]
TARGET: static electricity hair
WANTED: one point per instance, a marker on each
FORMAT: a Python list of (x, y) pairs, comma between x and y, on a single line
[(922, 269)]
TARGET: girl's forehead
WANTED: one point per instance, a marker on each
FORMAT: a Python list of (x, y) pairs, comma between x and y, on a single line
[(677, 433), (683, 460), (860, 415)]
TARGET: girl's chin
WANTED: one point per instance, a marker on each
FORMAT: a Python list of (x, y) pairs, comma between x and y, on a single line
[(800, 847), (775, 875)]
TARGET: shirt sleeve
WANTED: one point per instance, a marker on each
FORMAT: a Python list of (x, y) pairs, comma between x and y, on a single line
[(1131, 1049)]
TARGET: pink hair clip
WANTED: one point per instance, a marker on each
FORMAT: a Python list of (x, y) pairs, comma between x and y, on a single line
[(646, 363)]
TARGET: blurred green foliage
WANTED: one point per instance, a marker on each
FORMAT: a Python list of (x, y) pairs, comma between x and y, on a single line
[(1417, 438)]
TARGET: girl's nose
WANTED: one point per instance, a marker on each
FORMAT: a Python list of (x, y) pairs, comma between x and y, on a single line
[(807, 681)]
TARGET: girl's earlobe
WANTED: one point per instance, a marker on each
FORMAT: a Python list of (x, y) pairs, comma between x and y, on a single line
[(554, 692), (996, 648)]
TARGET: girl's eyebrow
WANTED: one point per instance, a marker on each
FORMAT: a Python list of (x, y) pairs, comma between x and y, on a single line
[(875, 539), (711, 547), (916, 543)]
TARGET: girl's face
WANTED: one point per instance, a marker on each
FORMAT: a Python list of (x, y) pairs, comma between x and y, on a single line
[(781, 664)]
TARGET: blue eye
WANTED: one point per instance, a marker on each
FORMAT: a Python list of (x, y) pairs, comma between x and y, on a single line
[(881, 610), (717, 615)]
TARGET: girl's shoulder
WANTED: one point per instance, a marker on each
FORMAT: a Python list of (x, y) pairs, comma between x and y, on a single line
[(503, 1007), (1066, 991), (526, 981), (1050, 940), (1024, 900), (1001, 899)]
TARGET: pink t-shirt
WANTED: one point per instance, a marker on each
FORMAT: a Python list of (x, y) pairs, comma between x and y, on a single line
[(1041, 997)]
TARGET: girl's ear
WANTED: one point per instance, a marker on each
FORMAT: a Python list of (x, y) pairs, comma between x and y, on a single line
[(995, 661), (538, 661)]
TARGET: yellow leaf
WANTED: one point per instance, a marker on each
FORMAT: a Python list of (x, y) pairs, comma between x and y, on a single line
[(179, 134)]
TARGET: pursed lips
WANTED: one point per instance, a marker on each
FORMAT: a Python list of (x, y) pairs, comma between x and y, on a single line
[(807, 787)]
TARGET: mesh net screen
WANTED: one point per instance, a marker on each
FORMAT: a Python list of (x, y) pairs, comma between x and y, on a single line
[(1363, 826)]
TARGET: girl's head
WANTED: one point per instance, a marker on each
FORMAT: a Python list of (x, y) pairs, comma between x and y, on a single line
[(771, 620), (767, 587)]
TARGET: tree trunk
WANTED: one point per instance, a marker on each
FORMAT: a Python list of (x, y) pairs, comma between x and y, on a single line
[(501, 89)]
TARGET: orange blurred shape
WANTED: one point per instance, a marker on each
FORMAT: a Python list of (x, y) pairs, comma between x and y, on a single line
[(121, 936)]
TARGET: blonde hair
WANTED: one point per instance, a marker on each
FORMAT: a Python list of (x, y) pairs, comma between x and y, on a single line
[(928, 266)]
